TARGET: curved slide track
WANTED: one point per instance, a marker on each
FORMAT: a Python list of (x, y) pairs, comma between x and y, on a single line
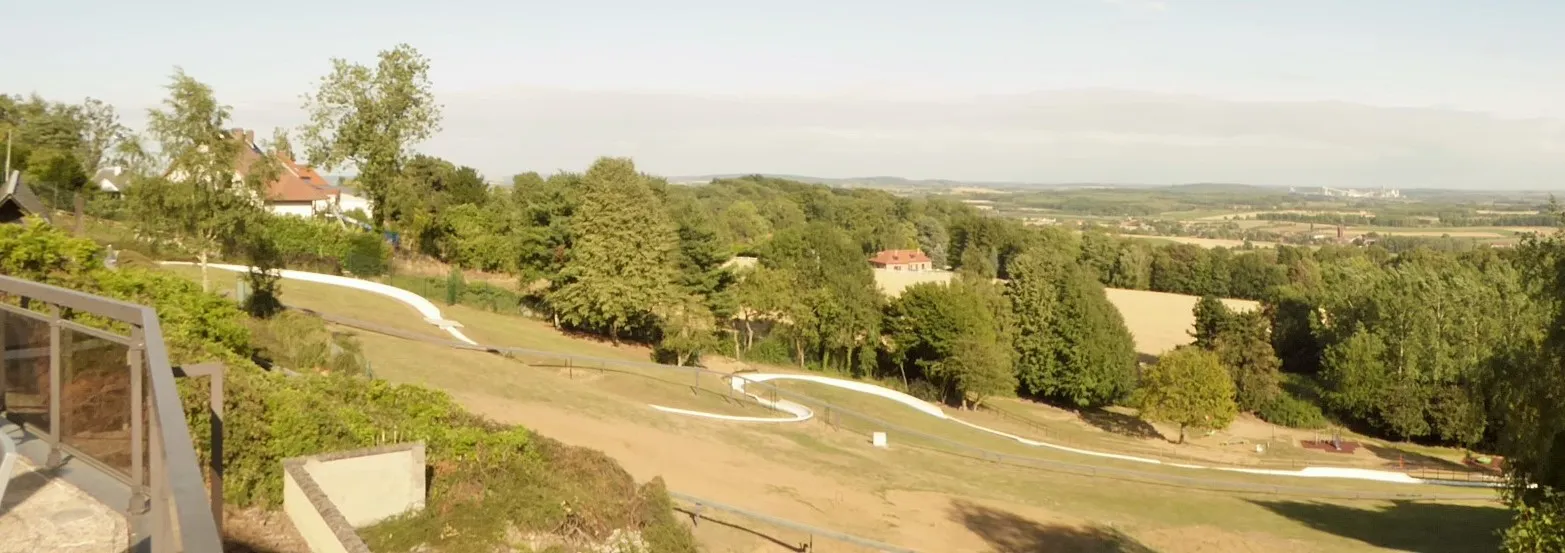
[(935, 411), (431, 313), (800, 413), (418, 303)]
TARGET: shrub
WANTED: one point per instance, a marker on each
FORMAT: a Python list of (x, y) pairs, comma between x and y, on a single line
[(488, 478), (455, 285), (326, 246), (773, 349), (367, 255), (301, 342), (1537, 523), (478, 295), (307, 244), (1292, 412)]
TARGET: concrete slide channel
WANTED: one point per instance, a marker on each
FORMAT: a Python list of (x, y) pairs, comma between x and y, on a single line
[(799, 413)]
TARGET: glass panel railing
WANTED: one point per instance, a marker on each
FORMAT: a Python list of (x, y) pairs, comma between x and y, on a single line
[(88, 360), (95, 398), (25, 369)]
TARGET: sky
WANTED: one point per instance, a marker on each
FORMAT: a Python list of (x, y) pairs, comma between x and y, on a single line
[(1399, 93)]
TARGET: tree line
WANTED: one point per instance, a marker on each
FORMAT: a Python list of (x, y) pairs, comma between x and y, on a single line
[(1416, 344), (1441, 218)]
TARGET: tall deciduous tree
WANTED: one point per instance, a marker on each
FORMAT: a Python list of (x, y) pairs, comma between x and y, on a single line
[(836, 307), (1071, 343), (950, 335), (762, 296), (1187, 387), (1035, 302), (101, 133), (1212, 319), (1527, 392), (620, 270), (686, 329), (371, 117), (1097, 350), (1407, 342), (199, 203), (282, 144), (1246, 351)]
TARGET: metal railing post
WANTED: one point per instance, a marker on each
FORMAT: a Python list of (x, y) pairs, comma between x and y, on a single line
[(215, 464), (160, 531), (53, 437), (4, 375), (134, 358)]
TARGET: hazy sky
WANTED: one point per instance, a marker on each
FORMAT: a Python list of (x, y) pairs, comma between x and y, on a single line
[(1354, 93)]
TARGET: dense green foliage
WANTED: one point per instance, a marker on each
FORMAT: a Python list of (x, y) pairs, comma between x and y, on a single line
[(1290, 411), (621, 268), (1241, 341), (487, 478), (1528, 392), (953, 336), (1187, 387), (370, 117), (1071, 343), (1433, 339), (1427, 217)]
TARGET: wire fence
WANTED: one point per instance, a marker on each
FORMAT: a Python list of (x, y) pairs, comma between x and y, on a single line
[(850, 420), (1419, 466), (699, 508)]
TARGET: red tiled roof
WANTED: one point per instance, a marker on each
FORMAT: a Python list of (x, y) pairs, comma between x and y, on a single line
[(296, 183), (899, 257)]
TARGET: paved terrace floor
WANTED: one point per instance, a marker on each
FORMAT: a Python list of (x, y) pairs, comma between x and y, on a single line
[(42, 513)]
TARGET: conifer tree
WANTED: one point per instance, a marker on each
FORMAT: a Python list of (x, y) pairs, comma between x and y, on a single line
[(621, 268)]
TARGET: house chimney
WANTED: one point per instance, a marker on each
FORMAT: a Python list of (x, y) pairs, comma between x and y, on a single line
[(249, 137)]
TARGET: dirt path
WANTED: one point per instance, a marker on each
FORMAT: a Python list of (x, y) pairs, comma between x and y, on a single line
[(695, 461), (864, 492)]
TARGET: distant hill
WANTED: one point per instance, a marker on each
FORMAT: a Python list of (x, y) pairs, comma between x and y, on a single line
[(906, 183)]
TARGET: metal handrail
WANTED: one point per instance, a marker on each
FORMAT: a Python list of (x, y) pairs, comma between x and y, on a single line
[(180, 518)]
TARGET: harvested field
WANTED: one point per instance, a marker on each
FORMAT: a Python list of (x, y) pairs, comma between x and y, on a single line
[(1209, 242), (1436, 233), (1161, 321)]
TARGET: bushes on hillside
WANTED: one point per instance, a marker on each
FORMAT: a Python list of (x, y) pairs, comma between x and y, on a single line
[(367, 255), (1292, 412), (302, 343), (325, 246), (488, 478), (478, 295)]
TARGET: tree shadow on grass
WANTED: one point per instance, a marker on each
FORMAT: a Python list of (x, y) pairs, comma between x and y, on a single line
[(1011, 533), (1119, 423), (1404, 525), (1413, 459)]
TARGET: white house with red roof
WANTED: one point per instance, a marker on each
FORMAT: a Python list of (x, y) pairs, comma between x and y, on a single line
[(902, 260), (298, 189)]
